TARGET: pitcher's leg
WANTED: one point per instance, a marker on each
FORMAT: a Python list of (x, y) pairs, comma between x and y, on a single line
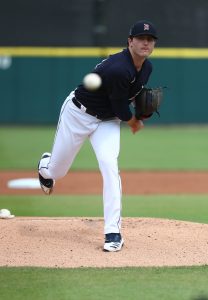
[(72, 130), (64, 148), (106, 144)]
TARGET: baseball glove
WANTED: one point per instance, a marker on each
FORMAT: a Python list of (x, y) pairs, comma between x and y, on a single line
[(147, 102)]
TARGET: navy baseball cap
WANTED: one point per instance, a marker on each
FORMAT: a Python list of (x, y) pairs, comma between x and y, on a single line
[(143, 28)]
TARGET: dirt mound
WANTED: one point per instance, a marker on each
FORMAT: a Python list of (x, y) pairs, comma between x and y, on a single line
[(78, 242)]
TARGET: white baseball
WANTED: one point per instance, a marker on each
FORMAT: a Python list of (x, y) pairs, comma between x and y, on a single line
[(92, 81), (4, 213)]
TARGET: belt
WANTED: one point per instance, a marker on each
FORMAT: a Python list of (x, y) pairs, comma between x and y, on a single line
[(83, 108)]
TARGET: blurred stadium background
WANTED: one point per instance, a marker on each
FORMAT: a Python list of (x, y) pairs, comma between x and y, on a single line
[(46, 47)]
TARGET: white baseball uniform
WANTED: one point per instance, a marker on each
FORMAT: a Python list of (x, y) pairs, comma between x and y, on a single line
[(97, 115), (74, 127)]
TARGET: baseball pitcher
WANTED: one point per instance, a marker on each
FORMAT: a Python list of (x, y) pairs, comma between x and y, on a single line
[(96, 114)]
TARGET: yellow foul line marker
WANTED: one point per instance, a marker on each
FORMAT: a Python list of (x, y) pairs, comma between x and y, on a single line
[(197, 53)]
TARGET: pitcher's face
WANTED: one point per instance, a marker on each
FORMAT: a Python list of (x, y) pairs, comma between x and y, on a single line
[(141, 46)]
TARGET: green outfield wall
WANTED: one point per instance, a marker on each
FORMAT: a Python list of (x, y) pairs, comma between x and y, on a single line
[(35, 81)]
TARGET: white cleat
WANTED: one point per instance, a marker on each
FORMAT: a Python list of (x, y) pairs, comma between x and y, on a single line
[(46, 184)]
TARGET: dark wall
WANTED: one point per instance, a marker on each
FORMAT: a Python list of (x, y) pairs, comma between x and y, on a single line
[(101, 22)]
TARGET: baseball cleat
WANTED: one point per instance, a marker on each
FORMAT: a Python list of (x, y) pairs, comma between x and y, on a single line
[(46, 184), (113, 242)]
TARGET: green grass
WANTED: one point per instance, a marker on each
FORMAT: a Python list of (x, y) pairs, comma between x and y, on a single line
[(165, 148), (101, 284), (21, 147), (154, 148), (179, 207)]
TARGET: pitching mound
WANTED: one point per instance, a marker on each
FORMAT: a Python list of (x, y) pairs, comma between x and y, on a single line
[(78, 242)]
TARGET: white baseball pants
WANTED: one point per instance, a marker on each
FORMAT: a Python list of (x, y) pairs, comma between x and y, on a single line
[(74, 127)]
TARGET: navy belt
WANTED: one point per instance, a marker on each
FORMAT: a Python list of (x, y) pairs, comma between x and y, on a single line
[(89, 112), (82, 107)]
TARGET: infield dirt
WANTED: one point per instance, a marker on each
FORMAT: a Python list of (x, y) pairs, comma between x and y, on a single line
[(78, 242), (133, 183)]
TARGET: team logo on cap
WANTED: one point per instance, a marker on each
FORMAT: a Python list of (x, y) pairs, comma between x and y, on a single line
[(146, 26)]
